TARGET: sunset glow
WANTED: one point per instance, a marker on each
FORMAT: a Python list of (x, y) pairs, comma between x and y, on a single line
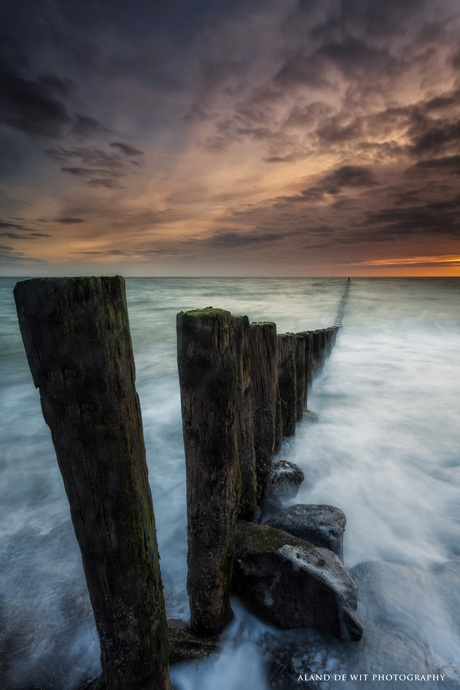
[(246, 138)]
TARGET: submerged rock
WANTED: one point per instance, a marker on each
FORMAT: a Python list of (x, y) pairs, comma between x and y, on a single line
[(321, 525), (293, 584)]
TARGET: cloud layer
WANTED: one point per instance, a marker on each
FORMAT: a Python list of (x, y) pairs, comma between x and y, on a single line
[(297, 137)]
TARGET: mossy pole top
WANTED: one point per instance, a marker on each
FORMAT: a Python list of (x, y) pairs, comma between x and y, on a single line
[(78, 344)]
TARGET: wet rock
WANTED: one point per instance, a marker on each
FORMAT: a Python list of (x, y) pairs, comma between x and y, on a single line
[(310, 416), (285, 479), (321, 525), (293, 584), (184, 645), (411, 616)]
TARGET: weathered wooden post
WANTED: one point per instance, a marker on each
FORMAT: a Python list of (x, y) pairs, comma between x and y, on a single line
[(300, 364), (245, 421), (78, 344), (262, 338), (317, 351), (207, 362), (287, 381), (308, 361), (278, 420), (329, 340)]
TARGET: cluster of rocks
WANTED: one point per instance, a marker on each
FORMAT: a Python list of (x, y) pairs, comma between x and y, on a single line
[(289, 568)]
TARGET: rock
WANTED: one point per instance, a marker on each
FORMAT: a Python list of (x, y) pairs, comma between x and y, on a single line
[(285, 479), (310, 416), (411, 617), (293, 584), (321, 525), (184, 645)]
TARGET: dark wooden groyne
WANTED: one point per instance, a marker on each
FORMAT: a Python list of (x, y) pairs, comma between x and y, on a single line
[(242, 390), (209, 370), (78, 344)]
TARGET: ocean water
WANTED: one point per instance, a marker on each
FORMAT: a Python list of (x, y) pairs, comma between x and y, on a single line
[(386, 450)]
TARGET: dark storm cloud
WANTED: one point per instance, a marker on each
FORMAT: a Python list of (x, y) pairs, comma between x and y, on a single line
[(17, 231), (126, 149), (348, 176), (351, 57), (88, 155), (456, 60), (304, 69), (85, 127), (61, 87), (31, 107), (70, 221), (96, 177), (437, 138), (13, 225), (430, 219), (28, 236), (446, 164), (8, 253), (333, 132), (333, 183), (104, 252), (98, 167), (232, 239), (359, 47)]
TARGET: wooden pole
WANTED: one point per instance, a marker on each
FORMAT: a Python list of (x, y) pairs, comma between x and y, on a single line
[(287, 348), (207, 362), (308, 361), (262, 338), (78, 345), (278, 421), (301, 382), (245, 421), (317, 352)]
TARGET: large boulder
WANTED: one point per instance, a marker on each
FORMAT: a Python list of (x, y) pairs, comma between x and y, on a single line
[(412, 620), (321, 525), (293, 584)]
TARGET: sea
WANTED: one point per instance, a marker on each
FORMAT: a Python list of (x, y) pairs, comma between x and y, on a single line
[(386, 450)]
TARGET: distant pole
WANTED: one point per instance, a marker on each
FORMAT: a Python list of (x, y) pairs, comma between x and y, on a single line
[(262, 338), (78, 345), (207, 362)]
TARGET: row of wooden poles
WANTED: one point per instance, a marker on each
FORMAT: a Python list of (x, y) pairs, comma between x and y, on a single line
[(243, 387)]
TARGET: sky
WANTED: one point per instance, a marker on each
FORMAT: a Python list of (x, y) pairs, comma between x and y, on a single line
[(233, 138)]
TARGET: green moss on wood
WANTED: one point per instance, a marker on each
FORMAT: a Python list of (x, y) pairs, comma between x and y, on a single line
[(208, 312)]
